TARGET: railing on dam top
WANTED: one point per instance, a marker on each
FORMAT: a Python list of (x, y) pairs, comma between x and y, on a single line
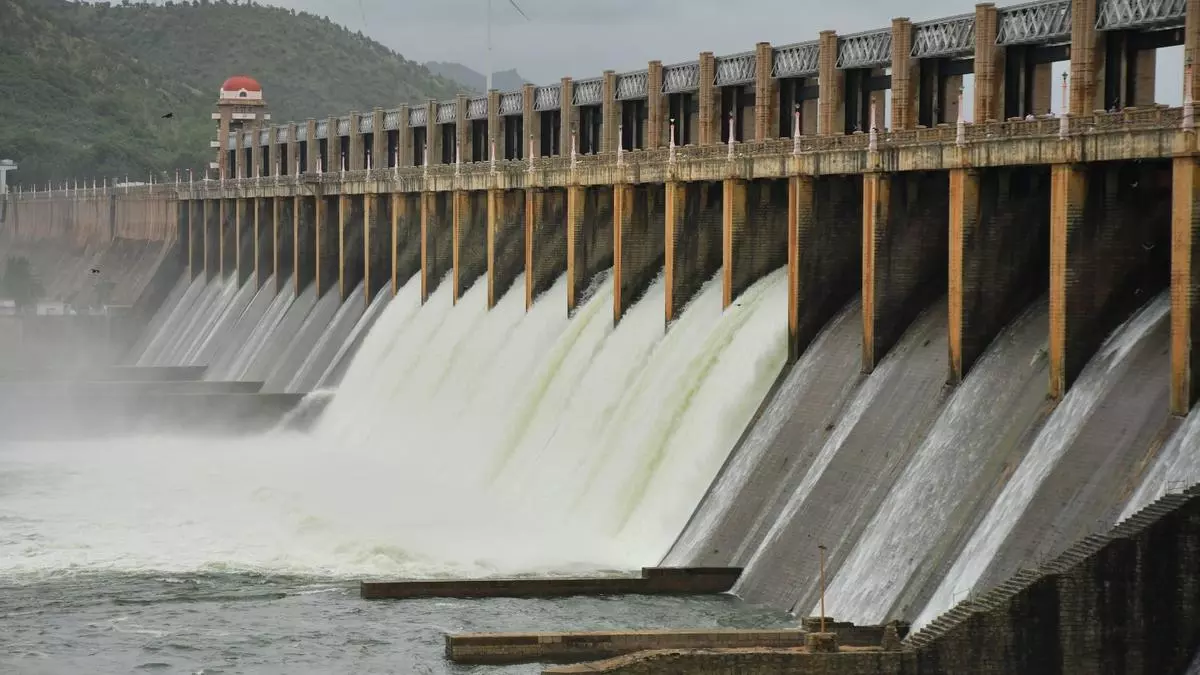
[(1047, 129)]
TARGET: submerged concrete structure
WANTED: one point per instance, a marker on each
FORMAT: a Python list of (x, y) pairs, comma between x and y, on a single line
[(781, 155)]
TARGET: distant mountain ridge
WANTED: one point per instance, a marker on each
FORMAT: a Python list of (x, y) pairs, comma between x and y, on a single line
[(86, 86), (504, 80)]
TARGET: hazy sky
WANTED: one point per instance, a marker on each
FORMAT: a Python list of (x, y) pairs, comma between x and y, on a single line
[(582, 38)]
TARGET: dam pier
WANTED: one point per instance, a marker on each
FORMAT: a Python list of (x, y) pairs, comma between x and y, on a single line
[(706, 315)]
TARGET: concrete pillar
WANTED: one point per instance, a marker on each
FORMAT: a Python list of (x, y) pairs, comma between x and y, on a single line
[(462, 130), (610, 113), (357, 143), (404, 138), (709, 97), (238, 170), (285, 241), (823, 253), (245, 260), (693, 245), (589, 237), (433, 135), (352, 249), (495, 130), (904, 254), (291, 164), (505, 241), (638, 244), (379, 140), (545, 240), (333, 146), (436, 240), (406, 246), (328, 247), (989, 64), (1109, 253), (569, 116), (766, 112), (656, 107), (754, 232), (196, 249), (312, 147), (256, 150), (1087, 60), (904, 79), (530, 121), (469, 239), (1185, 283), (264, 239), (1191, 48), (999, 251), (831, 104), (304, 243)]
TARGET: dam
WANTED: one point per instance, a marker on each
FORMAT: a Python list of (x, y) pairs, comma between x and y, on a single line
[(788, 310)]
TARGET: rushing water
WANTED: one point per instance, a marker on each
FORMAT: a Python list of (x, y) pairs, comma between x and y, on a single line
[(1060, 429), (1176, 468), (462, 441)]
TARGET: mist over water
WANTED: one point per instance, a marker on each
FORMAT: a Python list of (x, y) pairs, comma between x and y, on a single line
[(461, 441)]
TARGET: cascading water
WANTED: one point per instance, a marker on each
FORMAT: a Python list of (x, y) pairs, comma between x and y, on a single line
[(170, 328), (335, 336), (1176, 468), (205, 350), (283, 334), (168, 309), (303, 344), (239, 363), (963, 453), (242, 330), (1059, 431), (200, 314), (332, 376)]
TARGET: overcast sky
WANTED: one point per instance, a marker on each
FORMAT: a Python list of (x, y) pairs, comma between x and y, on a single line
[(582, 38)]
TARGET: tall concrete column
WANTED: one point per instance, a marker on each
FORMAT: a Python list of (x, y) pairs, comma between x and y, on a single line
[(328, 248), (495, 131), (333, 146), (530, 122), (545, 240), (904, 80), (505, 241), (436, 240), (831, 102), (1087, 60), (1185, 284), (433, 135), (404, 138), (469, 239), (693, 245), (462, 129), (1110, 246), (407, 247), (823, 255), (754, 233), (1191, 48), (312, 147), (351, 237), (238, 169), (274, 160), (903, 254), (610, 113), (379, 139), (766, 112), (638, 244), (709, 97), (256, 150), (999, 251), (656, 107), (357, 143), (304, 242), (569, 116), (589, 237)]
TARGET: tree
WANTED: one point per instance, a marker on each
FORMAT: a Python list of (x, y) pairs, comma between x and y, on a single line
[(20, 284)]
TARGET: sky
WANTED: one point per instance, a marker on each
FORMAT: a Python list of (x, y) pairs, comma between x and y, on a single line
[(582, 38)]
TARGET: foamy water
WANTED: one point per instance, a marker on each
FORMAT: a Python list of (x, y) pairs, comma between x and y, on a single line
[(461, 442)]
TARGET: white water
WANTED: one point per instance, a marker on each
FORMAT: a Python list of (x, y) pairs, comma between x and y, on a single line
[(922, 501), (330, 378), (205, 350), (1194, 669), (236, 370), (335, 336), (192, 324), (1055, 437), (170, 328), (1176, 469), (461, 441)]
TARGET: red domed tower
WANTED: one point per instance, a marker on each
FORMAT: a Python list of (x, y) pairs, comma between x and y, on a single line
[(240, 105)]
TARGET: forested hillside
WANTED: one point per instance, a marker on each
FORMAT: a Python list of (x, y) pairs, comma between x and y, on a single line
[(86, 85)]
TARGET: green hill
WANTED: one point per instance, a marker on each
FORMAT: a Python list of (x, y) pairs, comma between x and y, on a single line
[(92, 81)]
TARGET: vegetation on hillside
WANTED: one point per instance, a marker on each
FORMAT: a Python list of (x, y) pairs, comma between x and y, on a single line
[(87, 85)]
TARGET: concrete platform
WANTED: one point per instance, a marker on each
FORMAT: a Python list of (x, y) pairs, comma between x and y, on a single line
[(654, 581), (146, 387), (105, 374), (574, 647)]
